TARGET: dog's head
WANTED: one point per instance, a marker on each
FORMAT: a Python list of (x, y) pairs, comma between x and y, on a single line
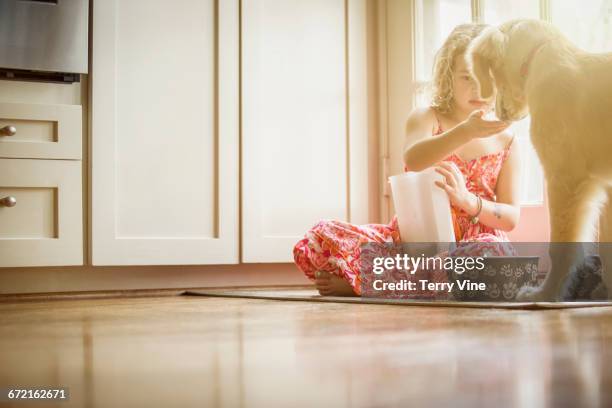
[(496, 57)]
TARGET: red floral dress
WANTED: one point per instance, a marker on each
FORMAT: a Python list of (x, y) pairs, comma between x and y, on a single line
[(334, 246)]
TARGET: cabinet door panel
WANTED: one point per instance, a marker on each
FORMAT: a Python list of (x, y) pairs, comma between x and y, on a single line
[(38, 131), (304, 152), (165, 132), (41, 219)]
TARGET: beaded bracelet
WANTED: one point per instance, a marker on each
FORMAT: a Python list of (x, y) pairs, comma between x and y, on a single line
[(474, 218)]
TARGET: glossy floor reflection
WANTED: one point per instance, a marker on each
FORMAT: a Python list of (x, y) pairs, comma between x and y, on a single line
[(215, 352)]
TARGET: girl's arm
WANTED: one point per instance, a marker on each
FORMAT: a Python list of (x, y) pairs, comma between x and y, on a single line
[(424, 152), (506, 212), (502, 214)]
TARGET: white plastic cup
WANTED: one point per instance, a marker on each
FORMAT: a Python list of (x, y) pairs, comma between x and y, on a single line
[(422, 208)]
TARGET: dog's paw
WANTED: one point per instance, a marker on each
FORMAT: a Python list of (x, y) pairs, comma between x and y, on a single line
[(535, 294)]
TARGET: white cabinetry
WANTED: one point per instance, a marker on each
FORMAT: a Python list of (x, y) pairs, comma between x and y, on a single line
[(165, 126), (40, 215), (304, 121), (179, 108), (40, 200)]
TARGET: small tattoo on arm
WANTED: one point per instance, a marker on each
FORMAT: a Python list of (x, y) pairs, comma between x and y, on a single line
[(497, 210)]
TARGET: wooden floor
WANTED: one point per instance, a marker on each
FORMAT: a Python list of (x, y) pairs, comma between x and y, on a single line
[(178, 351)]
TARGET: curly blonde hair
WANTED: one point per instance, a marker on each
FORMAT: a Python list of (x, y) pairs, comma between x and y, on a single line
[(442, 82)]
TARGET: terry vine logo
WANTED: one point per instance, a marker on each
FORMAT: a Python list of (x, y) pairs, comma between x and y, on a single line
[(433, 271)]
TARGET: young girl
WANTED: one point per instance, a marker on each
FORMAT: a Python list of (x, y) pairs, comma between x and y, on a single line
[(477, 159)]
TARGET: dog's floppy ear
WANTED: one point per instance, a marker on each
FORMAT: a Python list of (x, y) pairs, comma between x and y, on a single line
[(484, 53)]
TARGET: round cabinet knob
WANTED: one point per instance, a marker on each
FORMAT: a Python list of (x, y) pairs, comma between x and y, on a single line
[(8, 201), (8, 131)]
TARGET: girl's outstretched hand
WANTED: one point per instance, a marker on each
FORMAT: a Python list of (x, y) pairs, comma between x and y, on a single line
[(454, 185), (477, 127)]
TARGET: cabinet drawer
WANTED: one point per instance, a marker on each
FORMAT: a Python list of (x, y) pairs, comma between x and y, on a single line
[(40, 213), (40, 131)]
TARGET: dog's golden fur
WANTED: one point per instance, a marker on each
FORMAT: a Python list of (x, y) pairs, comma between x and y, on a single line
[(568, 93)]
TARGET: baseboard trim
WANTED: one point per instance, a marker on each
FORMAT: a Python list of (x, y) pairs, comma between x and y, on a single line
[(121, 278), (132, 293)]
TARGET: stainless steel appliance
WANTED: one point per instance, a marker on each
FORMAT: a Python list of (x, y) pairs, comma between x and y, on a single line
[(43, 39)]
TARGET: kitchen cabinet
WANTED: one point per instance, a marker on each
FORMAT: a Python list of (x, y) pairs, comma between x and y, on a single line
[(304, 121), (220, 135), (164, 132), (43, 131), (40, 212), (40, 185)]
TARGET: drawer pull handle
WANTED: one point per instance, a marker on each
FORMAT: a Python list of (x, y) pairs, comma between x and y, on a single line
[(8, 201), (8, 131)]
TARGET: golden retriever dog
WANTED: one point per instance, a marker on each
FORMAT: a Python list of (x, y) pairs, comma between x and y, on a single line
[(534, 69)]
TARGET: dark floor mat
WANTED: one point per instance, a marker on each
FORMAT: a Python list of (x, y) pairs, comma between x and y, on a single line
[(311, 295)]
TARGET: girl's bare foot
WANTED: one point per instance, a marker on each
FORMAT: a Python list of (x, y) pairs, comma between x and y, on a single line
[(329, 284)]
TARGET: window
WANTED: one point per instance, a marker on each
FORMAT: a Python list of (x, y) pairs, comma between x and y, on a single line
[(498, 11), (587, 23), (435, 20), (439, 17)]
